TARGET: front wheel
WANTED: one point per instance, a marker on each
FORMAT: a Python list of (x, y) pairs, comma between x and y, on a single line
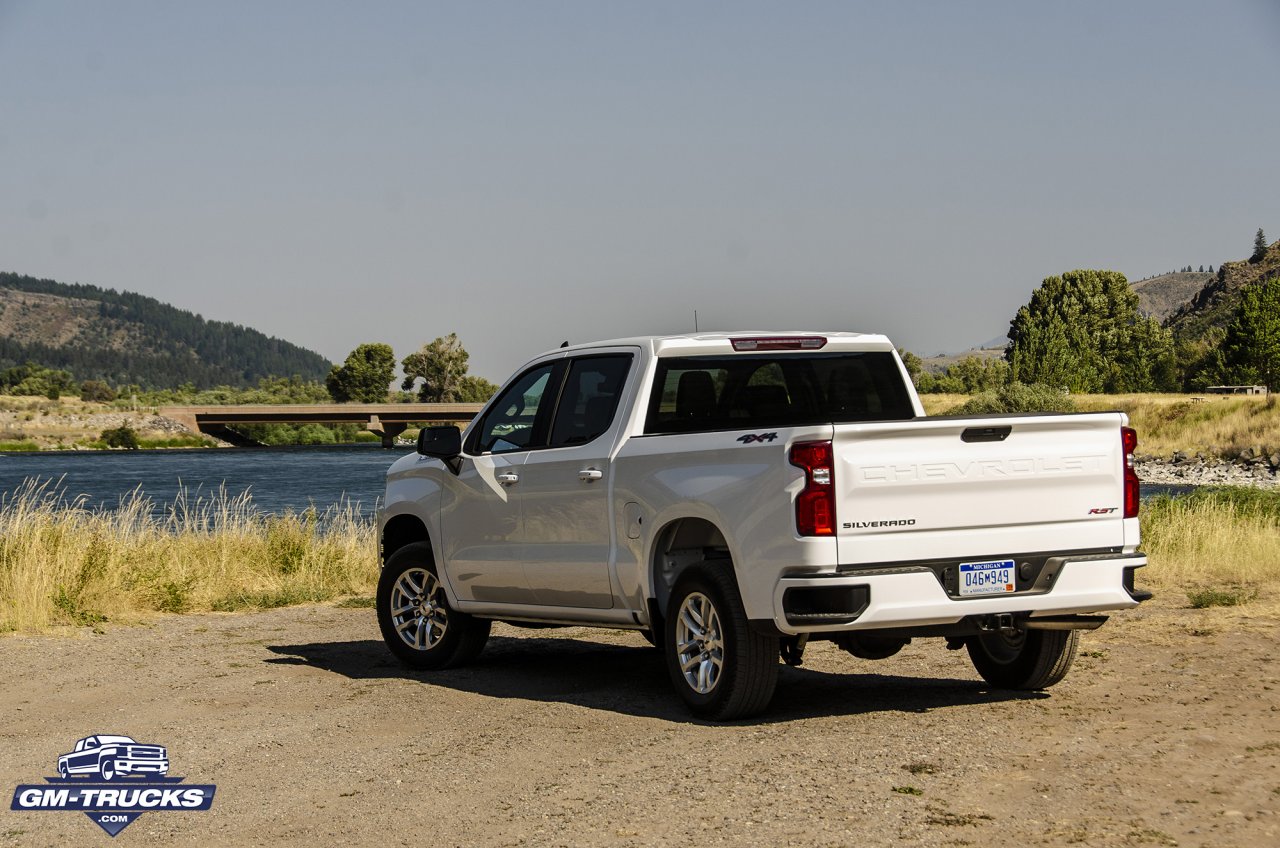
[(1028, 659), (107, 768), (722, 668), (417, 623)]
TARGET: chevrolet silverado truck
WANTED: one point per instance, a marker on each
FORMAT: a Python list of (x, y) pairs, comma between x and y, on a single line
[(109, 757), (738, 495)]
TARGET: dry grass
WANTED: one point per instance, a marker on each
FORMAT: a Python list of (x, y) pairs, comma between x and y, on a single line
[(1220, 545), (1218, 425), (62, 564)]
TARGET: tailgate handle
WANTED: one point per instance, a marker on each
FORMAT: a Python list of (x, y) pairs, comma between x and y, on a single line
[(986, 434)]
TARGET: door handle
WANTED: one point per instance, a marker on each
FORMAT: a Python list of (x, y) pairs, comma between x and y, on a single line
[(587, 475), (509, 478)]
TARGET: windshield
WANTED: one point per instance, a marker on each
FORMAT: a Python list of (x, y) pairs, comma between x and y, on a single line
[(700, 393)]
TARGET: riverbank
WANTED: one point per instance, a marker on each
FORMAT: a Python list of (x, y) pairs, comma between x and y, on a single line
[(1199, 470), (62, 564)]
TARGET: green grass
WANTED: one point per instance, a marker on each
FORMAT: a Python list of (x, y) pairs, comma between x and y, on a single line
[(1216, 597), (356, 603), (18, 446)]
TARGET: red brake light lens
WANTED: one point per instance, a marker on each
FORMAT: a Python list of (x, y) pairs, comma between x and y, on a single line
[(1132, 487), (779, 343), (816, 503)]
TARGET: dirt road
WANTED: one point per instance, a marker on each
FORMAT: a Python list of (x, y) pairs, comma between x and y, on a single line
[(1166, 732)]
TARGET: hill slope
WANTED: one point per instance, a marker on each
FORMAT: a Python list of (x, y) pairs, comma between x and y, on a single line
[(1162, 295), (1217, 301), (122, 338)]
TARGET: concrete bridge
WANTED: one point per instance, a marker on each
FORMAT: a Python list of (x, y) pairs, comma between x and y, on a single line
[(387, 420)]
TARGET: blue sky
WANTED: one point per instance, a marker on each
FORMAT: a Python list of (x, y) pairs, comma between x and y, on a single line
[(524, 173)]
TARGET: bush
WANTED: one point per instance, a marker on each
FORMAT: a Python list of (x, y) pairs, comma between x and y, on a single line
[(96, 391), (120, 437), (1212, 597), (1017, 397)]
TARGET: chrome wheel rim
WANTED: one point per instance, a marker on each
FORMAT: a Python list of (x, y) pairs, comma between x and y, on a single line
[(699, 643), (419, 610)]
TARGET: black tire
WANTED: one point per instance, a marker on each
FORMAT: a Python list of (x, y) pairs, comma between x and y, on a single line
[(742, 683), (420, 627), (64, 771), (1034, 659)]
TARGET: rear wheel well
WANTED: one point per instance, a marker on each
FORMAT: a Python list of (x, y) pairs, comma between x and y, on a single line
[(682, 543), (402, 530)]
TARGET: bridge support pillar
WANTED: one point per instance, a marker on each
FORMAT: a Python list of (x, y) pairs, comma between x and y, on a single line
[(387, 431)]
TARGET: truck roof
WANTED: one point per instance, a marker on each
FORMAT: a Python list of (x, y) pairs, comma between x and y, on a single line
[(720, 342)]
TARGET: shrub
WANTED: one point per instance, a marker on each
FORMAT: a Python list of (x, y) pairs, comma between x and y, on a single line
[(1017, 397), (1230, 597), (120, 437)]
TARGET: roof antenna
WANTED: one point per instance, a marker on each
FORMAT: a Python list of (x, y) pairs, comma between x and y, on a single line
[(564, 343), (695, 320)]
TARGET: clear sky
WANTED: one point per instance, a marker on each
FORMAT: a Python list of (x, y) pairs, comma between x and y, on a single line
[(528, 172)]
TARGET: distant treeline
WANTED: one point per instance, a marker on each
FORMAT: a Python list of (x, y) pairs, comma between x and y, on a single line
[(175, 346)]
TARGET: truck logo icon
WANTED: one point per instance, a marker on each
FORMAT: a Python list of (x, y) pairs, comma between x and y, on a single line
[(109, 757), (113, 779)]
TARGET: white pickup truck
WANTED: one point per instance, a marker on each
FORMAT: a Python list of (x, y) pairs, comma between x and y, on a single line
[(737, 495)]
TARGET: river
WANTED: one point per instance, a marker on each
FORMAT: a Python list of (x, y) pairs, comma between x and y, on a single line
[(277, 479)]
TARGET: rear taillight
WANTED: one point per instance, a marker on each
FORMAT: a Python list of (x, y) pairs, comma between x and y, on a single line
[(1132, 488), (816, 503)]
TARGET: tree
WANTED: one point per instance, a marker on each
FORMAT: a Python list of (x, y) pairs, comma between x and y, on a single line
[(1083, 332), (441, 366), (912, 363), (475, 389), (1259, 246), (364, 376), (1251, 351), (96, 391)]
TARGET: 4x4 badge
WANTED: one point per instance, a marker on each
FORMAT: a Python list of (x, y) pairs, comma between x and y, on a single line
[(752, 438)]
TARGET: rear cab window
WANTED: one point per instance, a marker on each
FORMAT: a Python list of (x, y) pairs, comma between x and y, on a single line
[(734, 392)]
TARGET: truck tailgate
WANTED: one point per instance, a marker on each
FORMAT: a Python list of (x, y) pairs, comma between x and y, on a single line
[(960, 487)]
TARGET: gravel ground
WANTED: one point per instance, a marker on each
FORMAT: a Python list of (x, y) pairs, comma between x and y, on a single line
[(1166, 732)]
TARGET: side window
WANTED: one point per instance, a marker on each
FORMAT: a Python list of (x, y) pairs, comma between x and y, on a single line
[(509, 424), (589, 399)]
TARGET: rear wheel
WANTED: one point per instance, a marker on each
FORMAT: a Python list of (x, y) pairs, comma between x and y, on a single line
[(1028, 659), (417, 623), (721, 668)]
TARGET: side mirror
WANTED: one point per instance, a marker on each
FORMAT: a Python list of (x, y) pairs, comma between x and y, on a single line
[(440, 442)]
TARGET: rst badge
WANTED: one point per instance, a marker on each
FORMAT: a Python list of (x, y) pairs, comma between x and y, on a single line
[(113, 779)]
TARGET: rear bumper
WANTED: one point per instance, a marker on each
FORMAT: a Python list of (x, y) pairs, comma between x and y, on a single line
[(916, 598)]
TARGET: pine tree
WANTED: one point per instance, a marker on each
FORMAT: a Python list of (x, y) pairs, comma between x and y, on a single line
[(1259, 246), (1253, 339)]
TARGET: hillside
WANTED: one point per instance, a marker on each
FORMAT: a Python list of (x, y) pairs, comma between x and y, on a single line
[(1217, 301), (1162, 295), (124, 338)]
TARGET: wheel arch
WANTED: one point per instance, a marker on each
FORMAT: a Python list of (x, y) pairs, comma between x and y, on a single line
[(681, 543), (401, 530)]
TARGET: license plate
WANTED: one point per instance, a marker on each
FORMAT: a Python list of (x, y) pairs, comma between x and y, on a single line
[(987, 578)]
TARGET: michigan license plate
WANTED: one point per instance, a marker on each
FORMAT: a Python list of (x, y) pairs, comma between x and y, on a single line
[(987, 578)]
